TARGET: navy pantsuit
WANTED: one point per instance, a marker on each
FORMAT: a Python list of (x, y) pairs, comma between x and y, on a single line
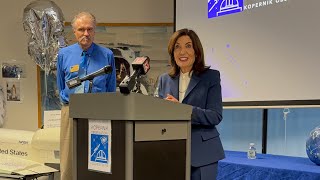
[(204, 94)]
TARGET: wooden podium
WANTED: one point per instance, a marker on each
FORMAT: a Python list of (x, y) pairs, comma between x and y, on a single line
[(151, 137)]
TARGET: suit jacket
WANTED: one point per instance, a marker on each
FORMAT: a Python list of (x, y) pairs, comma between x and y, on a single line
[(204, 94)]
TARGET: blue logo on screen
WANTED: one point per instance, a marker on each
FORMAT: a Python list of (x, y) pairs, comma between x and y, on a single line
[(218, 8), (99, 148)]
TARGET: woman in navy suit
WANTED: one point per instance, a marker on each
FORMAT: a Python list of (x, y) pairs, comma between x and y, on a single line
[(191, 82)]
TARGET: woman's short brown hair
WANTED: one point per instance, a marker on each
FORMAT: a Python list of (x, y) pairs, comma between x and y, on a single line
[(199, 64)]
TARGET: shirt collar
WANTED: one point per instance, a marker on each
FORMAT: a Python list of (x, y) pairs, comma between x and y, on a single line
[(90, 50), (184, 75)]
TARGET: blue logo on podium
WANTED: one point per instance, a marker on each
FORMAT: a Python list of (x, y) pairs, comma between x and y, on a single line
[(218, 8), (99, 148)]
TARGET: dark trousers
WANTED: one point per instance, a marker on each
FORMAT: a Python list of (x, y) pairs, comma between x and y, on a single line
[(208, 172)]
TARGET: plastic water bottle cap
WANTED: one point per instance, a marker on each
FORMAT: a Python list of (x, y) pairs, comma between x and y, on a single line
[(251, 144)]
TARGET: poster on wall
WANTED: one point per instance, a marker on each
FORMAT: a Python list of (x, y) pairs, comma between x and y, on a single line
[(13, 70), (99, 149), (13, 91)]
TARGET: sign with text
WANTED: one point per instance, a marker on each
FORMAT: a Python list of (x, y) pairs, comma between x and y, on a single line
[(51, 119), (99, 150)]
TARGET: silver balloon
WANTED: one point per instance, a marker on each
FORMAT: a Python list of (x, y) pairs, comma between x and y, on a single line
[(43, 23)]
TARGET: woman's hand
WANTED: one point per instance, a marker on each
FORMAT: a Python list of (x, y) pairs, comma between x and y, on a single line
[(171, 98)]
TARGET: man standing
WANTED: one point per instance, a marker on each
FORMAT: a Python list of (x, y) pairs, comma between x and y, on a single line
[(75, 60)]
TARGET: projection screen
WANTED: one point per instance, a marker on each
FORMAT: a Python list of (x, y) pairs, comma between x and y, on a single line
[(267, 51)]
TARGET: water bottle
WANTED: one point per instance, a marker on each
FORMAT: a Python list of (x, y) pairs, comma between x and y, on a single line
[(156, 92), (252, 152)]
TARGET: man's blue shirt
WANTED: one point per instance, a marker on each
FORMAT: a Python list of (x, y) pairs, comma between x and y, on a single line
[(68, 66)]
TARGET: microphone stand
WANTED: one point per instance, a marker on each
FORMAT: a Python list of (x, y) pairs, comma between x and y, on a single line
[(90, 85), (137, 86), (74, 82)]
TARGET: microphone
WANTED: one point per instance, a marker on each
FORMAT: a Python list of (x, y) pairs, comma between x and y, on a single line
[(72, 83), (140, 66)]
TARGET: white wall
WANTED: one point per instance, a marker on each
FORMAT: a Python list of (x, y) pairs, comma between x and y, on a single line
[(127, 11), (13, 44)]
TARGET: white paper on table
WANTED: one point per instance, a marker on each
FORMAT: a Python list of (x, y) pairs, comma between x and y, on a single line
[(22, 166)]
